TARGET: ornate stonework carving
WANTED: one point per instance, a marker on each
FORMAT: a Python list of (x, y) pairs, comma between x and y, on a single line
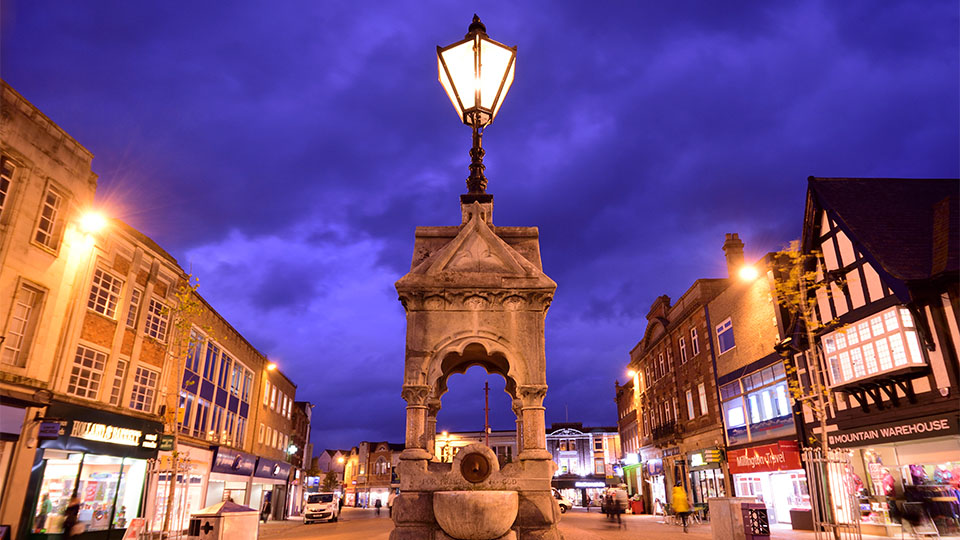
[(415, 395), (474, 298), (531, 395)]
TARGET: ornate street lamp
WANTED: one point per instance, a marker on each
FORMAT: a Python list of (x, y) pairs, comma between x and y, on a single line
[(476, 73)]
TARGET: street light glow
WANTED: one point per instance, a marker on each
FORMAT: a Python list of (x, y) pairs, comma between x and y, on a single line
[(92, 222), (271, 366), (631, 373), (748, 273)]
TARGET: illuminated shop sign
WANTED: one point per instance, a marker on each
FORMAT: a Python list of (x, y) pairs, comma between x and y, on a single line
[(704, 458), (104, 433), (590, 484), (781, 456), (906, 430)]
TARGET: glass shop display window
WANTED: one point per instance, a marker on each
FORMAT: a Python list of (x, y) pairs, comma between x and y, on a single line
[(108, 488)]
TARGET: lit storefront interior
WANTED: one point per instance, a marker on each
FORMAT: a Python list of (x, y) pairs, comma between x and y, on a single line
[(774, 475), (192, 472), (919, 476), (99, 457), (706, 475)]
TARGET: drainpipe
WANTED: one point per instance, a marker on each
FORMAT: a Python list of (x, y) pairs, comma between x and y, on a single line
[(727, 481)]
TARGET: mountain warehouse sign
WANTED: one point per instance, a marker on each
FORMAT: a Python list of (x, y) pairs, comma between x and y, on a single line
[(919, 428)]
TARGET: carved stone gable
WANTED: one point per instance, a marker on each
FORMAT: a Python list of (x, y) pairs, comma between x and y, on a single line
[(477, 255)]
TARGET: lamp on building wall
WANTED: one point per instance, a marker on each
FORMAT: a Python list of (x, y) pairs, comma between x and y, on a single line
[(476, 73), (748, 273)]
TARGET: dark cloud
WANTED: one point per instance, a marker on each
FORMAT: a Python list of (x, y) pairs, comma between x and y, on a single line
[(288, 156)]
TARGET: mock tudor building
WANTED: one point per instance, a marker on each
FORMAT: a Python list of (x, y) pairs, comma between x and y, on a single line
[(885, 252)]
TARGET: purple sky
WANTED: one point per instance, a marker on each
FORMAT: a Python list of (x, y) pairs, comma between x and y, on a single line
[(285, 151)]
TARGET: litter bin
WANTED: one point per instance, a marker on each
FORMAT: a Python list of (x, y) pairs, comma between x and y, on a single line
[(225, 520), (756, 525)]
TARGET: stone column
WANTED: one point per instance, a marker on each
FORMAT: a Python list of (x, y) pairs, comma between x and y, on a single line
[(518, 412), (433, 407), (416, 398), (534, 428)]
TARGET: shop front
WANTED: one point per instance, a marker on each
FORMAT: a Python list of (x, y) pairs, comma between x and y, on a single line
[(907, 467), (774, 475), (230, 477), (270, 484), (656, 483), (706, 475), (191, 469), (99, 457)]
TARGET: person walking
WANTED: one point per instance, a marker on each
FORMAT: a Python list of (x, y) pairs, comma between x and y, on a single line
[(71, 525), (680, 504), (377, 504), (265, 510)]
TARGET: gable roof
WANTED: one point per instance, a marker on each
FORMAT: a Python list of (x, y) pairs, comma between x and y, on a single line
[(910, 227)]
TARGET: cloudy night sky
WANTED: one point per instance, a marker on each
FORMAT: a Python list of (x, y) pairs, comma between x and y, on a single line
[(284, 152)]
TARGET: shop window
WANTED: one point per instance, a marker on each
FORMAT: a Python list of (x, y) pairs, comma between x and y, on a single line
[(725, 340), (184, 408), (105, 293), (223, 381), (195, 352), (49, 223), (87, 373), (200, 418), (21, 325), (883, 343), (241, 430), (116, 391), (702, 389), (156, 325), (247, 385), (144, 387), (6, 177), (236, 379), (210, 366), (134, 309), (106, 486)]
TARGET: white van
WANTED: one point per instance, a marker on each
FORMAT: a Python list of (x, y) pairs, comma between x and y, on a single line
[(321, 507), (564, 502)]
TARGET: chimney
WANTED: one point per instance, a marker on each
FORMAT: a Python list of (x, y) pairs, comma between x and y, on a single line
[(733, 251)]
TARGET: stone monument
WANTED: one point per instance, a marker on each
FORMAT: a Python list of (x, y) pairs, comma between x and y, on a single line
[(476, 294)]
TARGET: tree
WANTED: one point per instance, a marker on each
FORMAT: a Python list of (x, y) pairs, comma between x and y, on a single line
[(801, 277), (330, 481), (181, 316)]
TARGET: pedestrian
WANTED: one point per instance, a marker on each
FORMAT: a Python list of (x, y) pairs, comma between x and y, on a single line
[(588, 503), (390, 499), (680, 504), (377, 504), (71, 526), (46, 507), (265, 510)]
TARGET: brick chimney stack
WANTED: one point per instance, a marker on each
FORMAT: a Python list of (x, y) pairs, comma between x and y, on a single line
[(733, 251)]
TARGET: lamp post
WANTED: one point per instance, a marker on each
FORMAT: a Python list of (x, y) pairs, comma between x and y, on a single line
[(476, 73)]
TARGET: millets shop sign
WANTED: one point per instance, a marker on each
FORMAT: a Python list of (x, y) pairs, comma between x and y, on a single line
[(906, 430)]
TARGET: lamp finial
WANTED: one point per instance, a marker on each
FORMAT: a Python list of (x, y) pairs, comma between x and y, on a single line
[(476, 26)]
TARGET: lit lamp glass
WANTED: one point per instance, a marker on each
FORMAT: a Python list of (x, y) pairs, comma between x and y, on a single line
[(476, 73)]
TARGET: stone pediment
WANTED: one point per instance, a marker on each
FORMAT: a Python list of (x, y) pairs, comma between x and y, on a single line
[(566, 432), (476, 257)]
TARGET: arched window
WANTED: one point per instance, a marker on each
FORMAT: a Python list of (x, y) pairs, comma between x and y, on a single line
[(381, 467)]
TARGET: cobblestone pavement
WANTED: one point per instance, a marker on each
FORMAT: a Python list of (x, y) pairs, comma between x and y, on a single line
[(363, 524)]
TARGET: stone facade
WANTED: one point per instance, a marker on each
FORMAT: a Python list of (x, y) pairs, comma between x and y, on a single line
[(475, 295)]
